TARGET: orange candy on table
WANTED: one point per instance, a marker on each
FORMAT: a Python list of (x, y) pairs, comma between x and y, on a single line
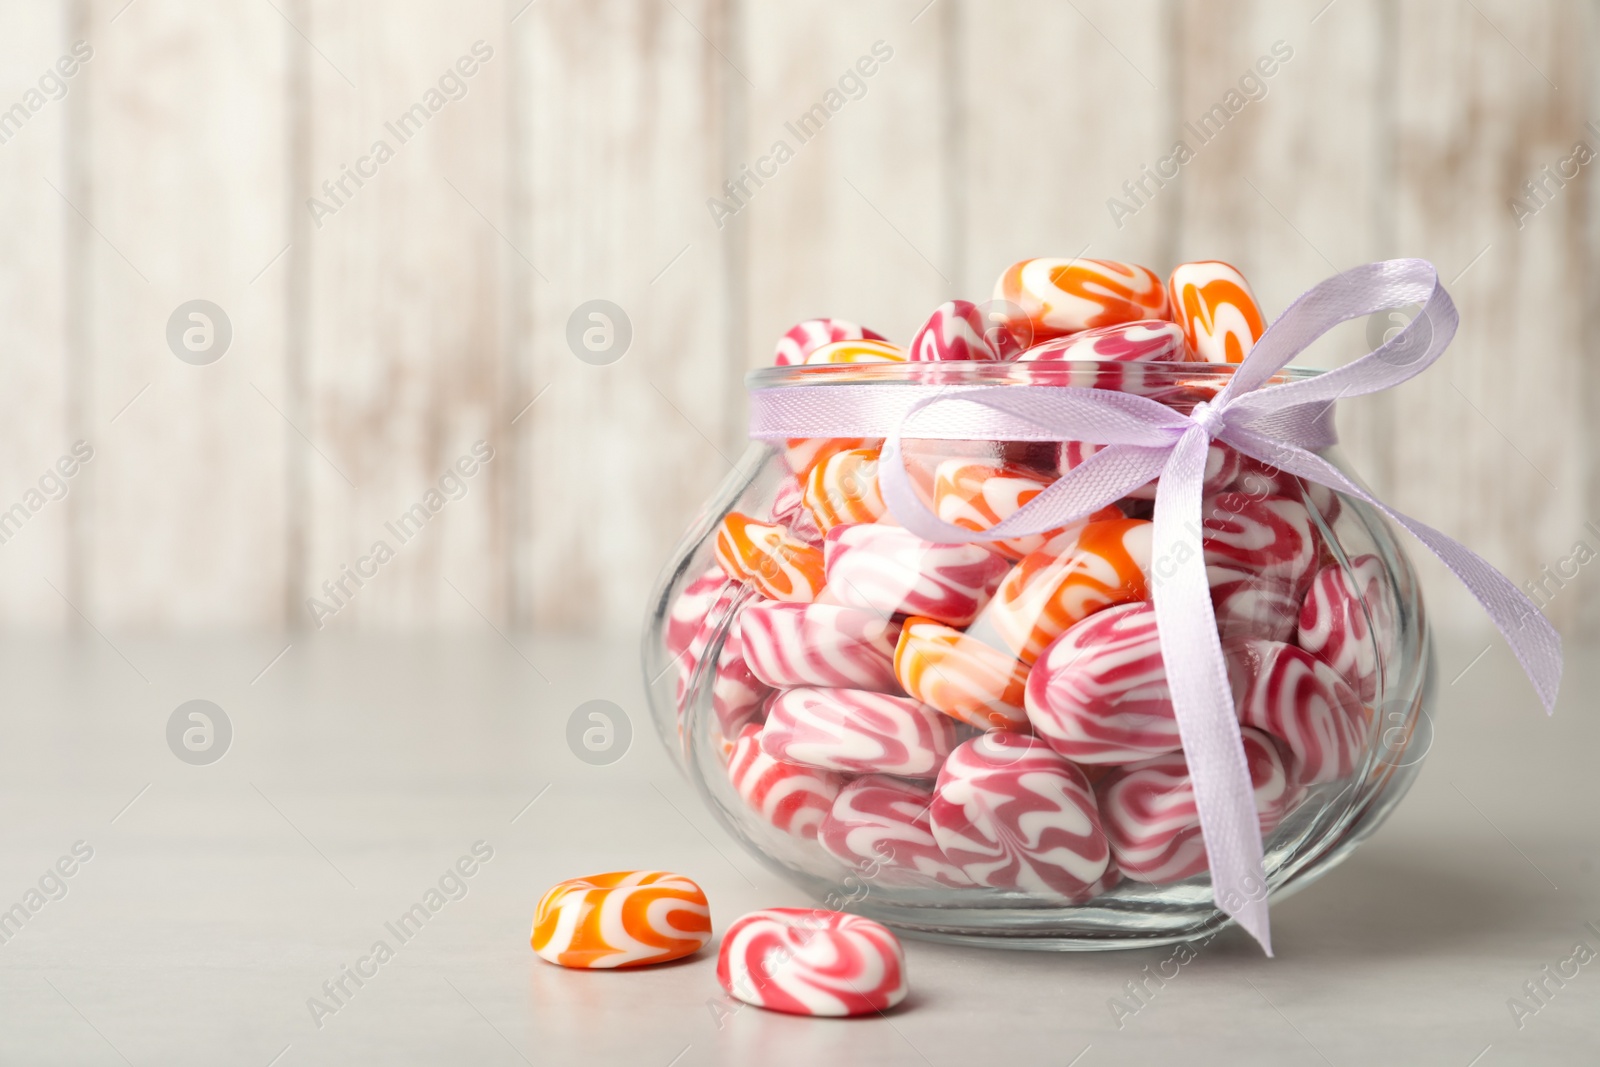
[(621, 919), (779, 565), (1062, 296), (861, 350), (961, 676), (1219, 314), (844, 489)]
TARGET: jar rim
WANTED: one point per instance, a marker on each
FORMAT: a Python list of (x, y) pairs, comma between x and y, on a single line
[(1010, 372)]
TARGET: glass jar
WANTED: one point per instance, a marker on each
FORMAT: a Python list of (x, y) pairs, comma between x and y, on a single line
[(974, 742)]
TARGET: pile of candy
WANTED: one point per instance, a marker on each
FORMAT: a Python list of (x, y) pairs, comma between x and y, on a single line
[(996, 714)]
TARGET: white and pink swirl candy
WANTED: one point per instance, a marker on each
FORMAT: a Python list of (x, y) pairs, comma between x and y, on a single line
[(806, 337), (689, 610), (715, 616), (1263, 479), (1150, 817), (788, 509), (1013, 814), (892, 571), (736, 693), (879, 828), (785, 795), (1348, 622), (955, 331), (1260, 555), (811, 962), (830, 645), (1145, 341), (857, 732), (1302, 702)]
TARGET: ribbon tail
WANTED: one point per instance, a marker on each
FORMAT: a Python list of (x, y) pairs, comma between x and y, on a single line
[(1533, 640), (1202, 699)]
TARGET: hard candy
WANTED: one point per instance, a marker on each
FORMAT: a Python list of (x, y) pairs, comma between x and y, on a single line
[(892, 571), (955, 331), (1318, 720), (960, 675), (1062, 296), (1145, 341), (844, 489), (978, 496), (878, 827), (621, 919), (1219, 315), (1348, 622), (806, 337), (1260, 553), (858, 351), (857, 732), (827, 645), (689, 609), (779, 565), (812, 962), (785, 795), (801, 454), (1012, 814), (736, 693)]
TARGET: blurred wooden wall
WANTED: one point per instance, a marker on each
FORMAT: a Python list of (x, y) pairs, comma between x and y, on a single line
[(372, 346)]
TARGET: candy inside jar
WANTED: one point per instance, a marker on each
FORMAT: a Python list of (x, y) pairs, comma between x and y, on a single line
[(976, 740)]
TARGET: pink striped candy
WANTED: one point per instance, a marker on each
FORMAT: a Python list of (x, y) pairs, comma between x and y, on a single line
[(879, 828), (806, 337), (736, 693), (788, 509), (1347, 621), (786, 795), (1012, 814), (689, 659), (857, 732), (1149, 813), (1263, 479), (1145, 341), (689, 610), (831, 645), (1303, 703), (891, 571), (812, 962), (955, 331), (1260, 554)]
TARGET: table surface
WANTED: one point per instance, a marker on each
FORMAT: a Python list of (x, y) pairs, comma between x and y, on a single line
[(220, 898)]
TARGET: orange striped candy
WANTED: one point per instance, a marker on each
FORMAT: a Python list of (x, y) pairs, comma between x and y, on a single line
[(801, 454), (1218, 312), (1062, 296), (860, 350), (961, 676), (779, 565), (844, 488), (1047, 592), (978, 495), (621, 919)]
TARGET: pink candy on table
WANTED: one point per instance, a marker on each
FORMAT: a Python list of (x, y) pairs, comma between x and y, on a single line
[(806, 337), (1145, 341), (879, 828), (1317, 718), (819, 645), (1150, 817), (785, 795), (1347, 621), (857, 732), (811, 962), (955, 331), (892, 571)]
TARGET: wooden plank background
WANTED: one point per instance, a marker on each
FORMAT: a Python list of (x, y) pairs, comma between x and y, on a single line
[(373, 346)]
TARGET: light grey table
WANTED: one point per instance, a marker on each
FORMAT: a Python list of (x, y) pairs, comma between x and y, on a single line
[(220, 898)]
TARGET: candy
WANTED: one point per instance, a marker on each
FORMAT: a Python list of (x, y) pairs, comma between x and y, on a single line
[(1260, 553), (736, 693), (621, 919), (689, 660), (1218, 313), (788, 796), (960, 675), (1302, 702), (812, 962), (1347, 621), (1145, 341), (819, 644), (801, 454), (844, 489), (1099, 693), (1061, 296), (977, 496), (892, 571), (857, 732), (780, 566), (1012, 814), (955, 331), (1150, 817), (689, 609), (1263, 479), (879, 828), (862, 351), (806, 337), (1048, 591), (789, 509)]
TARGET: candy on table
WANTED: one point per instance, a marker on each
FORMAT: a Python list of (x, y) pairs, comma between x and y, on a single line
[(779, 565), (1218, 313), (811, 962), (806, 337), (892, 571), (1145, 341), (1062, 296), (844, 489), (978, 496), (831, 645), (861, 351), (955, 331), (621, 919), (1150, 817), (878, 827), (1348, 622), (1316, 717), (857, 732), (801, 454), (1222, 466), (689, 610), (1099, 693), (960, 675), (786, 795), (1051, 590), (1013, 814)]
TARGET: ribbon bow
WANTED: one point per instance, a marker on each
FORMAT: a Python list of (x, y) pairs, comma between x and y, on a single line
[(1279, 424)]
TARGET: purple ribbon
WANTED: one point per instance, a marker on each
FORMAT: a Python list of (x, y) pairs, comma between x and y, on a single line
[(1278, 424)]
